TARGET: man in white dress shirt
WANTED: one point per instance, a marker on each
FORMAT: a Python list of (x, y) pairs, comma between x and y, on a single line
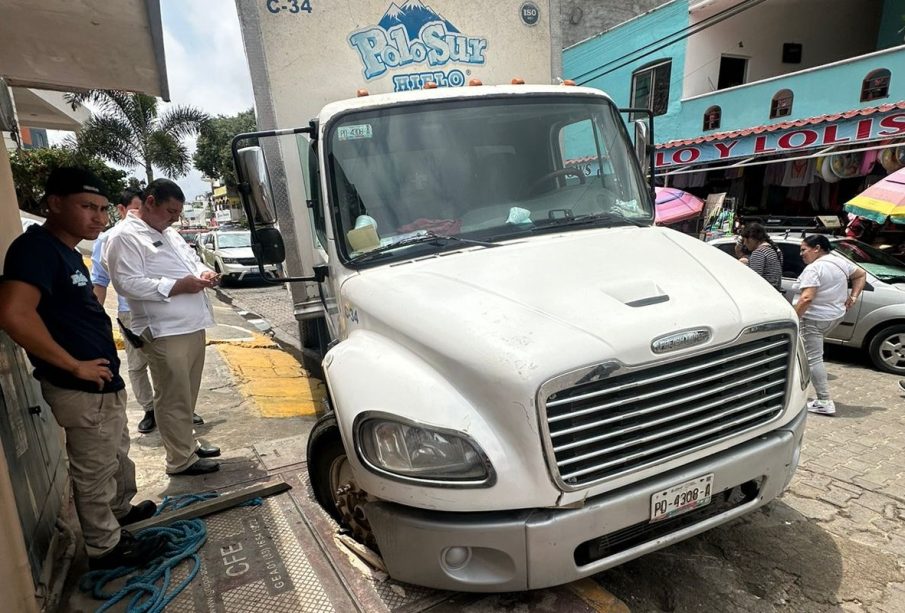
[(164, 281)]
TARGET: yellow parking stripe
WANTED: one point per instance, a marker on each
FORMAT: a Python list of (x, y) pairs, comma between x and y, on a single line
[(271, 378)]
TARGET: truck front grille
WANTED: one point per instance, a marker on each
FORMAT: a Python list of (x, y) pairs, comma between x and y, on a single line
[(248, 261), (626, 422)]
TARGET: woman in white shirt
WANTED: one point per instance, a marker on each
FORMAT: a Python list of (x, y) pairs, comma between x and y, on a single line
[(823, 301)]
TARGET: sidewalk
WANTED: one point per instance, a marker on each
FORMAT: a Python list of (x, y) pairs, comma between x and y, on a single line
[(259, 405)]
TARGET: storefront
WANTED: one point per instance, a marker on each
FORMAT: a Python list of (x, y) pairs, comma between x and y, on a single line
[(795, 174)]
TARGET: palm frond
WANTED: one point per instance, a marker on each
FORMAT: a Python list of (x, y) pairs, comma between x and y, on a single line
[(109, 138), (168, 154), (182, 121)]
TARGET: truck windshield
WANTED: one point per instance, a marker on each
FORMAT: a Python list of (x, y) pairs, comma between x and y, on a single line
[(483, 169)]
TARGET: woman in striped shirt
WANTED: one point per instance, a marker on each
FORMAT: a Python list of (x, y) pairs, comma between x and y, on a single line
[(765, 258)]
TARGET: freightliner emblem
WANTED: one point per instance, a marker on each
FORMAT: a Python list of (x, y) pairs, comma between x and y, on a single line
[(680, 340)]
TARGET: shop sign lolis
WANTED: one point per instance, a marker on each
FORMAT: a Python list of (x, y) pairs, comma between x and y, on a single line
[(851, 131)]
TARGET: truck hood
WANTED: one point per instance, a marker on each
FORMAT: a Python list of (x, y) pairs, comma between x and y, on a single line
[(535, 308), (489, 326)]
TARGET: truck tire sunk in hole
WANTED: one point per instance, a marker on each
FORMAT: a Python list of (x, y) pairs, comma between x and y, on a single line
[(333, 482)]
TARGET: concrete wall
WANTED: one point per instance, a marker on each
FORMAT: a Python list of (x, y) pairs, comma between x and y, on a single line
[(583, 19), (822, 27)]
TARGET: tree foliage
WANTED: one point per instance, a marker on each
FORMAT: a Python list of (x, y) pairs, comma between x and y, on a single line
[(129, 130), (213, 156), (32, 167)]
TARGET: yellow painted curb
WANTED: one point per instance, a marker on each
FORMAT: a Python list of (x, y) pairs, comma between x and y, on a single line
[(596, 597), (271, 378)]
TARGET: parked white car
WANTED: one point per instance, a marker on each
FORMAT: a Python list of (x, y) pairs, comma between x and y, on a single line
[(876, 323), (230, 254)]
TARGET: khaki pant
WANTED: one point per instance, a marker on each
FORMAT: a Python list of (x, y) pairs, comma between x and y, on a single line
[(176, 364), (142, 390), (97, 443)]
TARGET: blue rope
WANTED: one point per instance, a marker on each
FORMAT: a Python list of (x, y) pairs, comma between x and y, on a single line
[(184, 539)]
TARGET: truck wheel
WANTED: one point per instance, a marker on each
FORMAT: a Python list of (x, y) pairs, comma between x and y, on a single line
[(326, 463), (333, 482), (887, 349)]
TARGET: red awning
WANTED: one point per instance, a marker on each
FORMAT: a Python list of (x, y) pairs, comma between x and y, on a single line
[(785, 125)]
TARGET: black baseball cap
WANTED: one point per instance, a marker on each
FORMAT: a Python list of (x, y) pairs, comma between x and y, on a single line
[(65, 181)]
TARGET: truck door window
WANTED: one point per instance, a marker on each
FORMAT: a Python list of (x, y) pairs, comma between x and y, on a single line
[(311, 178)]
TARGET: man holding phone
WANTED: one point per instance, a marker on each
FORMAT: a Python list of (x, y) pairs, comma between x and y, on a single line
[(164, 281)]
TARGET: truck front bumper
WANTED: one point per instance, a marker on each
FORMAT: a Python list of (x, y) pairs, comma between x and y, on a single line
[(537, 548)]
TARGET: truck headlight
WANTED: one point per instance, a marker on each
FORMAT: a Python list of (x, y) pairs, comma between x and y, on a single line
[(803, 365), (430, 456), (229, 260)]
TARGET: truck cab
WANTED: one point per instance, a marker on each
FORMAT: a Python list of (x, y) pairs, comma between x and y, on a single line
[(529, 382)]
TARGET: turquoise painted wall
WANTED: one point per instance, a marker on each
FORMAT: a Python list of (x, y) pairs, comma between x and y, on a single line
[(831, 89), (822, 91), (587, 61), (892, 25)]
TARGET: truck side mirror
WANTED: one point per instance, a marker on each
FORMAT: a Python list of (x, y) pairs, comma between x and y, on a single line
[(267, 241), (253, 169), (642, 145)]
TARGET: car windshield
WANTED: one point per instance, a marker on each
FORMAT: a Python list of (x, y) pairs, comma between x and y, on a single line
[(874, 261), (189, 236), (431, 177), (239, 239)]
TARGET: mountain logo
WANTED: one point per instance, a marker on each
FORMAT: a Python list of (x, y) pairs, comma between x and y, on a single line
[(414, 33)]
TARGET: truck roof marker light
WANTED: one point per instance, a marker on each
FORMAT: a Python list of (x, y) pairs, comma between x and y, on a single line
[(569, 82), (430, 85), (475, 83), (518, 81), (361, 93)]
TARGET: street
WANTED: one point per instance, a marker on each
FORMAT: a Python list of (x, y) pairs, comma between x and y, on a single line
[(834, 542)]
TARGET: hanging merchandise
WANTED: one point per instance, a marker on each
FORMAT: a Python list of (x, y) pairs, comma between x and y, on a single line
[(798, 173), (846, 165), (826, 171), (891, 160), (867, 162)]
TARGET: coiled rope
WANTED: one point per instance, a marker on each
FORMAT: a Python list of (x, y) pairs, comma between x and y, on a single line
[(149, 588)]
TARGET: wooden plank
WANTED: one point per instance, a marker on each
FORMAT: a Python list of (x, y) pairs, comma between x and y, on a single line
[(214, 505)]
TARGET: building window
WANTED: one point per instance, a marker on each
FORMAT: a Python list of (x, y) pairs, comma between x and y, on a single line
[(875, 85), (712, 118), (650, 87), (782, 104)]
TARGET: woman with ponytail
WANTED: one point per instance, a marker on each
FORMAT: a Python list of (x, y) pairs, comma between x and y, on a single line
[(765, 258)]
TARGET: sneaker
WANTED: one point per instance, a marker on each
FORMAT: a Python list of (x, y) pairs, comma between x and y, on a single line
[(139, 512), (148, 423), (822, 407), (902, 384), (130, 552)]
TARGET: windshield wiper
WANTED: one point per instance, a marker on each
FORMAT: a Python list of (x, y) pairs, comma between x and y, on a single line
[(582, 220), (415, 240)]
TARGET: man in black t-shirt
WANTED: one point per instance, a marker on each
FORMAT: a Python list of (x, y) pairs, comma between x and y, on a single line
[(47, 305)]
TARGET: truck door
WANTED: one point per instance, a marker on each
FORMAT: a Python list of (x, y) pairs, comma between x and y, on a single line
[(324, 290)]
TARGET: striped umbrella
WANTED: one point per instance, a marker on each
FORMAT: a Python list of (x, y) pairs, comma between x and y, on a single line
[(883, 200)]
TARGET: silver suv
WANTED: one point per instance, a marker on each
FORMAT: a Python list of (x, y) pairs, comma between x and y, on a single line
[(876, 323)]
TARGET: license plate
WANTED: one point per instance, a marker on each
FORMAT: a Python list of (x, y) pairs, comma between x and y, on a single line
[(681, 498)]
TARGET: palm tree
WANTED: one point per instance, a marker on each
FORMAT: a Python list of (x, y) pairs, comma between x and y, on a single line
[(127, 130)]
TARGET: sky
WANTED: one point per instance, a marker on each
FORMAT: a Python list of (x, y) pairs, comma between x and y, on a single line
[(206, 68), (206, 64)]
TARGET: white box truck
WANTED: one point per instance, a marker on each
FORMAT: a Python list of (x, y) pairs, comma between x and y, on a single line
[(529, 382)]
